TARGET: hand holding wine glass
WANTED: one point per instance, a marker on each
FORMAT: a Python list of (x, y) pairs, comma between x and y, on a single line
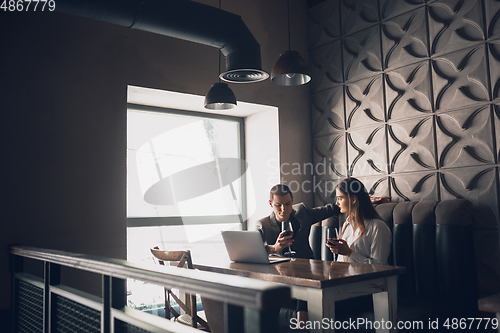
[(287, 227), (332, 234)]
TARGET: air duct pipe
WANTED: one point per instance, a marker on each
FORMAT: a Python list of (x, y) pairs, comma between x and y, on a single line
[(183, 19)]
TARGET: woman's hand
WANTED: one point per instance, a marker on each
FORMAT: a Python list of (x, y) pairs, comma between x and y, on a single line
[(339, 247), (281, 243)]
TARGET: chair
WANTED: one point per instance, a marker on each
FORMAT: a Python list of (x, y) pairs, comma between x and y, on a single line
[(191, 317)]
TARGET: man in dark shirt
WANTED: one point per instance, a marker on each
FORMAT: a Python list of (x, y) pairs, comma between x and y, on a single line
[(301, 218)]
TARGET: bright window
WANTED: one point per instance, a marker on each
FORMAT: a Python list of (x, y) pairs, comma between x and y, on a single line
[(184, 184)]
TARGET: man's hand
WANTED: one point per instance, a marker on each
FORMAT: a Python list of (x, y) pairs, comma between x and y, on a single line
[(281, 243)]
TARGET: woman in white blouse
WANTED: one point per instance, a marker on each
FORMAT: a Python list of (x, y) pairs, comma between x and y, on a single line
[(365, 237)]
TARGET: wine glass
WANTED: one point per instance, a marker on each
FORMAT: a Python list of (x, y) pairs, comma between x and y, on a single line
[(287, 226), (332, 233)]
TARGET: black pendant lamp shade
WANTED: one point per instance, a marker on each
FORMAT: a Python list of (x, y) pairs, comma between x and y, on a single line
[(220, 97), (290, 70)]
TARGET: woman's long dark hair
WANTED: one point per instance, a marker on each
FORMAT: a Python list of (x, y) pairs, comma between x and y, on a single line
[(364, 209)]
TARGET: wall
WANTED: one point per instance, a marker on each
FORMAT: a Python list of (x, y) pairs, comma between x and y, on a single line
[(405, 96), (63, 82)]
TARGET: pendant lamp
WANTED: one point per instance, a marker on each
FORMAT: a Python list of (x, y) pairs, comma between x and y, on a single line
[(220, 96), (290, 69)]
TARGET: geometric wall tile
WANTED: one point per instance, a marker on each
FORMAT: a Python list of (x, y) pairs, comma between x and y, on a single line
[(404, 39), (364, 101), (391, 8), (460, 78), (366, 151), (326, 66), (492, 8), (494, 59), (330, 156), (411, 145), (477, 184), (358, 14), (464, 137), (323, 24), (416, 186), (362, 54), (408, 90), (328, 111), (455, 24), (377, 186)]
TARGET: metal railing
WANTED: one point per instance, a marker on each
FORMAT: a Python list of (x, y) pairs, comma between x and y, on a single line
[(45, 305)]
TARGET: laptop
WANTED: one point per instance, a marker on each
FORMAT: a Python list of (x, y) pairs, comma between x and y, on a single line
[(247, 247)]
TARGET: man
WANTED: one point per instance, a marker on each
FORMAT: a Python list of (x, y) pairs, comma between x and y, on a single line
[(301, 218)]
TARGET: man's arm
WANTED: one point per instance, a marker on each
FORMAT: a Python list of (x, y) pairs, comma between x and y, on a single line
[(317, 214), (324, 212)]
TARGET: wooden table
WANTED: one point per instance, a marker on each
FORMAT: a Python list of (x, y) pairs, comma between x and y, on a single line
[(322, 283), (491, 304)]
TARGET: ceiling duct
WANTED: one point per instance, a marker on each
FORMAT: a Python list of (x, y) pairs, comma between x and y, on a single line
[(183, 19)]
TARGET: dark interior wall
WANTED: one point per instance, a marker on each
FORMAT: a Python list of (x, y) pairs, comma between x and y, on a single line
[(63, 83), (405, 96)]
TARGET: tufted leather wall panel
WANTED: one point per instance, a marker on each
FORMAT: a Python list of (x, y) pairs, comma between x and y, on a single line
[(406, 97)]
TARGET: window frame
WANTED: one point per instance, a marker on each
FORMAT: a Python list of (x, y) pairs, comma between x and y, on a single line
[(134, 222)]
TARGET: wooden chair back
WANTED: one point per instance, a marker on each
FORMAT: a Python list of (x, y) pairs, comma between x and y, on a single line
[(184, 259)]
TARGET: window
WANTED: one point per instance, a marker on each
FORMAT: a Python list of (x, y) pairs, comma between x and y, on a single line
[(184, 183)]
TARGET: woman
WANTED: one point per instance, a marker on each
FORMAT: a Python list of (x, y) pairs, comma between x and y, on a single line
[(365, 237)]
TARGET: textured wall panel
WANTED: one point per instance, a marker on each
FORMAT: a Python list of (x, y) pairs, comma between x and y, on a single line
[(404, 39), (330, 156), (391, 8), (358, 14), (367, 151), (376, 186), (455, 24), (411, 145), (421, 91), (494, 59), (493, 18), (323, 24), (328, 111), (325, 191), (416, 186), (364, 101), (478, 184), (496, 116), (408, 90), (465, 137), (326, 66), (460, 78), (362, 54)]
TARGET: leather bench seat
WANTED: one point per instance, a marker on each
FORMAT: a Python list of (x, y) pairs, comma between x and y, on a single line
[(441, 247)]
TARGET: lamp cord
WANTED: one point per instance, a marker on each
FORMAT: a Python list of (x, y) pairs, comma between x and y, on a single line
[(288, 16), (219, 49)]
